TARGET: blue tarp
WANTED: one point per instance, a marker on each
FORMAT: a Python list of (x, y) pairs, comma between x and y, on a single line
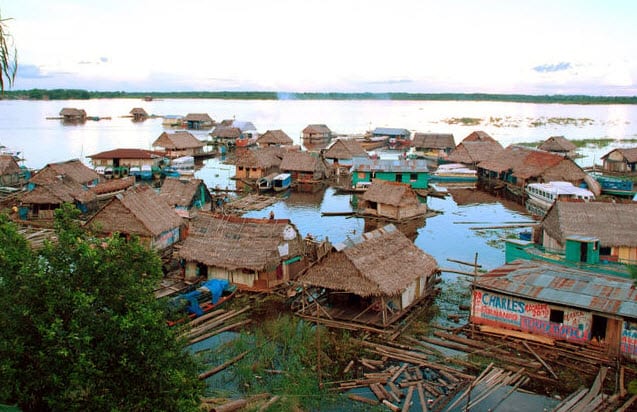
[(216, 288)]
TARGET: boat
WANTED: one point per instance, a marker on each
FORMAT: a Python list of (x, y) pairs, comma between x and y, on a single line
[(616, 186), (359, 187), (184, 165), (398, 143), (541, 196), (454, 172), (281, 182), (373, 142), (264, 183), (169, 171), (200, 299), (136, 171), (146, 172)]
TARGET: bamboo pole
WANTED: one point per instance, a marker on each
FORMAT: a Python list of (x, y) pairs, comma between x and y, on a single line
[(223, 366), (407, 404), (548, 368)]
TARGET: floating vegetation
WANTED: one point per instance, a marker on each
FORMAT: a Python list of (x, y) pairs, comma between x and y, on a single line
[(561, 121), (596, 142), (464, 121)]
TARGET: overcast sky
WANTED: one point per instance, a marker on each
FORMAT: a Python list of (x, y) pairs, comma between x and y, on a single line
[(534, 46)]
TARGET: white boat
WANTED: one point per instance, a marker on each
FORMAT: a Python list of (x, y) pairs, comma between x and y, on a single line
[(185, 165), (454, 172), (541, 196)]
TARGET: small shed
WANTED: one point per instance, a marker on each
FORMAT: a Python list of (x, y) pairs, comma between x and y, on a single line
[(138, 114), (11, 174), (373, 280), (304, 167), (315, 133), (433, 145), (391, 200), (186, 196), (198, 121), (559, 144), (254, 254), (73, 115), (139, 212), (614, 224), (274, 138), (620, 160), (558, 302), (178, 144)]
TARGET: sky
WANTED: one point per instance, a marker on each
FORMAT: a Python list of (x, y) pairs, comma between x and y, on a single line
[(417, 46)]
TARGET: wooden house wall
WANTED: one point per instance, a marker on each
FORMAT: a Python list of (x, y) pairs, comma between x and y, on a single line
[(250, 172), (511, 312), (628, 342), (625, 254), (125, 162), (166, 239), (615, 162)]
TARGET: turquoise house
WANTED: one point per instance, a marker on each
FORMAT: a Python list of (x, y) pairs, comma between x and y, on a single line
[(413, 172)]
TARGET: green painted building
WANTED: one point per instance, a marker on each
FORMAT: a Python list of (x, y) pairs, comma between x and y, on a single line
[(414, 172)]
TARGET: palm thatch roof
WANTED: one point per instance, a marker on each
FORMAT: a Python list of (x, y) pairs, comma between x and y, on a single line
[(345, 149), (478, 136), (474, 151), (434, 140), (177, 140), (274, 137), (629, 155), (177, 192), (139, 211), (557, 144), (73, 169), (301, 162), (58, 192), (72, 112), (525, 163), (317, 129), (261, 157), (126, 153), (390, 193), (139, 111), (8, 165), (382, 263), (614, 224), (232, 242), (226, 132), (198, 117), (113, 185)]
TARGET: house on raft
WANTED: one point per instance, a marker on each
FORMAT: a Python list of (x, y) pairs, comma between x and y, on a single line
[(613, 225), (139, 212), (73, 115), (411, 171), (560, 145), (341, 153), (548, 302), (198, 121), (519, 166), (309, 172), (392, 202), (225, 135), (370, 282), (254, 254), (11, 174), (475, 148), (125, 162), (620, 160), (433, 146), (138, 114), (316, 133), (179, 144), (187, 197), (254, 164), (274, 138)]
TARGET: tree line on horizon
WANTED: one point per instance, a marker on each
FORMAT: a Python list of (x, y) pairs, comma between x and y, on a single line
[(80, 94)]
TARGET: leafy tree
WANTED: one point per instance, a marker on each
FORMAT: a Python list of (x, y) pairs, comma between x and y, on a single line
[(82, 329), (8, 56)]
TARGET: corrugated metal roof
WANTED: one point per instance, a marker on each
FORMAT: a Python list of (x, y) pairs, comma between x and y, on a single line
[(562, 285)]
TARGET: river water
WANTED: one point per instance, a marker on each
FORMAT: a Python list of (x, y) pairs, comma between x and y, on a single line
[(452, 234)]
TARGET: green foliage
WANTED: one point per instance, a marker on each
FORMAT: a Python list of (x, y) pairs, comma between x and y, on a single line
[(82, 329), (8, 56), (632, 269)]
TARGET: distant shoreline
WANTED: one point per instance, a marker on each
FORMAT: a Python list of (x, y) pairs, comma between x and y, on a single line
[(66, 94)]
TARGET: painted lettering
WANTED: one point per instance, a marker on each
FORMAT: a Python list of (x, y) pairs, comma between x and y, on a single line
[(554, 330)]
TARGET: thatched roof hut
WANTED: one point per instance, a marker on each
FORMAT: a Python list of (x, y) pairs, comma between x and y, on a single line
[(73, 170), (139, 211), (274, 138), (383, 263), (8, 165), (260, 158), (303, 162), (316, 130), (472, 152), (433, 141), (225, 132), (138, 113), (621, 160), (185, 194), (112, 187), (614, 224), (391, 200), (198, 117), (345, 149), (558, 144), (58, 192), (478, 136), (177, 140), (73, 114), (521, 165)]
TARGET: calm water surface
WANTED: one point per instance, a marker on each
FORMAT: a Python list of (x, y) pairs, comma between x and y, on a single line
[(451, 234)]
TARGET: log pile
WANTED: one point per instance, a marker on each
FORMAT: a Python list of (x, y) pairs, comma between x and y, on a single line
[(213, 323)]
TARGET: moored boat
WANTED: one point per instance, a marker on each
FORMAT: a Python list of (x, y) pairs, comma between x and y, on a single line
[(541, 196), (281, 182), (202, 299), (454, 172)]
